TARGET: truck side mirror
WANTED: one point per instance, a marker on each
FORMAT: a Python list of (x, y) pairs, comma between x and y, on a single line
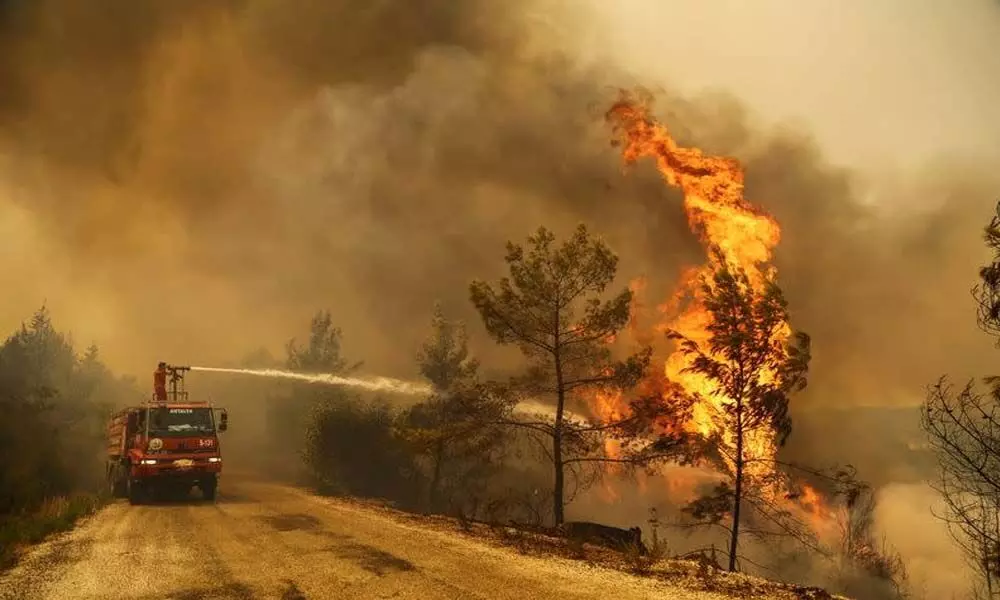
[(223, 420)]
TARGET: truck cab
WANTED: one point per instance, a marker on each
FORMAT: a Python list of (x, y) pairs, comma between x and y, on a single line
[(168, 444)]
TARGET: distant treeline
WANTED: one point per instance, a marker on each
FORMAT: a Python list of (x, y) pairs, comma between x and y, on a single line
[(53, 404)]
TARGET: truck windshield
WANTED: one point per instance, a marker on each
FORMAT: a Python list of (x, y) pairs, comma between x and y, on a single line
[(179, 421)]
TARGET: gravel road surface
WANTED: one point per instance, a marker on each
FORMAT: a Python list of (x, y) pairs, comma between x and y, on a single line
[(262, 540)]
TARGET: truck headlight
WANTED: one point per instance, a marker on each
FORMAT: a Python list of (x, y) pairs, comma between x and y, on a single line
[(149, 461), (214, 459)]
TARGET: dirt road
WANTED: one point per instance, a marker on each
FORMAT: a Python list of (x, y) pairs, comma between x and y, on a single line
[(262, 540)]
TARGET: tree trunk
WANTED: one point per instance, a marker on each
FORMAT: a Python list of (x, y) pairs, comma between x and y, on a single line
[(994, 567), (436, 475), (557, 460), (557, 490), (738, 488)]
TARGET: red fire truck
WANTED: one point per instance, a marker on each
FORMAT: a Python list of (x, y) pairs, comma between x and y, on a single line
[(169, 443)]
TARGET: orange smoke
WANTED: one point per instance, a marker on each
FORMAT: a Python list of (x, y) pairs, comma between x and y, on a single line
[(744, 237)]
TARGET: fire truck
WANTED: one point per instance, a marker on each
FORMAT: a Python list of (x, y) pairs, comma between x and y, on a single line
[(168, 443)]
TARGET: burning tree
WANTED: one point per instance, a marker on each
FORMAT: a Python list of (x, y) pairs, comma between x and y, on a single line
[(963, 427), (538, 308), (738, 359), (750, 369)]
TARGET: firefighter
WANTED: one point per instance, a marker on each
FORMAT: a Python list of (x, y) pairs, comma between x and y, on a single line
[(160, 382)]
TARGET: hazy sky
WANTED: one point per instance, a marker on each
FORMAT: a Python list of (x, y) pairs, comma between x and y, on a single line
[(876, 81)]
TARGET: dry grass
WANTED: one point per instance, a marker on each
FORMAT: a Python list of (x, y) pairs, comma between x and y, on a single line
[(576, 548), (642, 563), (694, 573), (54, 515)]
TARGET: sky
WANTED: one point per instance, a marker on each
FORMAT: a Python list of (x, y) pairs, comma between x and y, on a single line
[(879, 83)]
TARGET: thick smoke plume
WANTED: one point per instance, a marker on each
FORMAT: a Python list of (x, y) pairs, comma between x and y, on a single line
[(186, 181)]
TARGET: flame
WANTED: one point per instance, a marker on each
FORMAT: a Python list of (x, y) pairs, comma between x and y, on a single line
[(609, 406), (811, 500), (744, 237), (722, 218), (815, 510), (683, 484)]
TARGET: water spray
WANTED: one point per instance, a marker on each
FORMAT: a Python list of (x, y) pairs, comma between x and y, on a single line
[(374, 384)]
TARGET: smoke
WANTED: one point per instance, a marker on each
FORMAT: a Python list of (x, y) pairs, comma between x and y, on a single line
[(936, 566), (186, 181), (215, 191)]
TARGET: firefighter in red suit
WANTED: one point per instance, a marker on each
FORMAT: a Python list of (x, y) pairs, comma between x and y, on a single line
[(160, 382)]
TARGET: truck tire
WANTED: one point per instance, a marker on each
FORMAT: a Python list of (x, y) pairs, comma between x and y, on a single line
[(208, 488), (112, 484), (134, 491), (116, 482)]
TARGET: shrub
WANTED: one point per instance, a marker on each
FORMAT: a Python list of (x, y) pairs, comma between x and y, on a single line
[(352, 448)]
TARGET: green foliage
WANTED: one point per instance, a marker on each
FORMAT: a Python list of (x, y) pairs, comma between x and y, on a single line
[(458, 439), (37, 361), (455, 431), (322, 353), (444, 358), (290, 414), (553, 307), (54, 404), (352, 448)]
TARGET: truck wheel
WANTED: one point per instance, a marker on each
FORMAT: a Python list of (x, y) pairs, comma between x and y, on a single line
[(117, 483), (208, 488), (134, 491)]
